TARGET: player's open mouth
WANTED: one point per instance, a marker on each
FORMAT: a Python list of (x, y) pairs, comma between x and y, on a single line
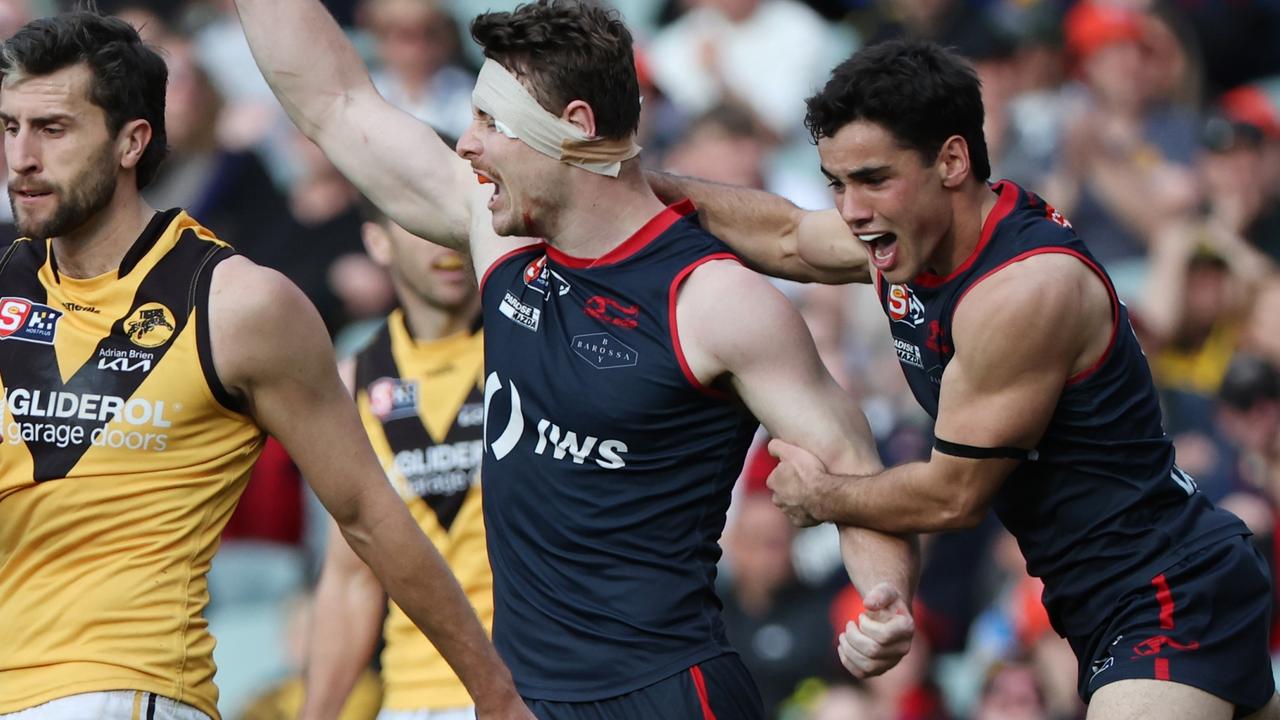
[(884, 248), (486, 180)]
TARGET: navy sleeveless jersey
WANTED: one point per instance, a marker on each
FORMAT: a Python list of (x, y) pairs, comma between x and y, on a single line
[(607, 467), (1101, 507)]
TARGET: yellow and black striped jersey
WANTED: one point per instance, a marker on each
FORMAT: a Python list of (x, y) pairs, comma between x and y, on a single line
[(422, 405), (121, 458)]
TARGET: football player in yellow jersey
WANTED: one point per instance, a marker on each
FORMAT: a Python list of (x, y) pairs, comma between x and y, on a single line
[(141, 363), (418, 384)]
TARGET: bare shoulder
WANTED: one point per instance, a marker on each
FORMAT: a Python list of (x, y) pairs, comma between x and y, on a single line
[(246, 296), (260, 321), (728, 310), (1047, 303)]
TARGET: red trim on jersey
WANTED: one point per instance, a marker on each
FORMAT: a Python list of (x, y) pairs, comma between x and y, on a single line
[(1111, 291), (657, 225), (1162, 668), (505, 257), (700, 684), (675, 332), (1165, 598), (1004, 205)]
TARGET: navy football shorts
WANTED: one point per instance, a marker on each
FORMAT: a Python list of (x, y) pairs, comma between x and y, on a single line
[(1203, 622), (716, 689)]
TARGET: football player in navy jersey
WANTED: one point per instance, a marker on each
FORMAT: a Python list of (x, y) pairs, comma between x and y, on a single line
[(628, 357), (1046, 411)]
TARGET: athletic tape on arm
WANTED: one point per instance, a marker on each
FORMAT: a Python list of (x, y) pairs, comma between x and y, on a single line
[(517, 114)]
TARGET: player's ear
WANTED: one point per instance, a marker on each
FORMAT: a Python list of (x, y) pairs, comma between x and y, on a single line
[(953, 162), (377, 242), (132, 142), (580, 114)]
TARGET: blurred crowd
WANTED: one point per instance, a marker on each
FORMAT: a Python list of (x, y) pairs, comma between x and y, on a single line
[(1153, 126)]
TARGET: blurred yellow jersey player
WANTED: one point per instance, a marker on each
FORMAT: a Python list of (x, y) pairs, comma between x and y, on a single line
[(142, 362), (418, 387)]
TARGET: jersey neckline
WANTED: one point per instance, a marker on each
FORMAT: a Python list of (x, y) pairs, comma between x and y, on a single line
[(656, 225), (1008, 196)]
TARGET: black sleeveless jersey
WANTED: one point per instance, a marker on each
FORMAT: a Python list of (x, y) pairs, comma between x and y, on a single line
[(607, 466), (1100, 506)]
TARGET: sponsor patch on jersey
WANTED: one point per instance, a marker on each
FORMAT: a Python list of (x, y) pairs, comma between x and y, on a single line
[(908, 353), (524, 315), (21, 319), (537, 276), (151, 325), (120, 360), (393, 398), (904, 306), (613, 312), (603, 351)]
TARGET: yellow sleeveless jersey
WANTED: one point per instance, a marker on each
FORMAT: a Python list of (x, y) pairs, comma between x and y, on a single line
[(422, 405), (121, 459)]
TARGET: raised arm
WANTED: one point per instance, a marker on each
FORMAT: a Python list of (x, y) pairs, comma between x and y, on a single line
[(1019, 335), (401, 164), (774, 367), (291, 387), (769, 232)]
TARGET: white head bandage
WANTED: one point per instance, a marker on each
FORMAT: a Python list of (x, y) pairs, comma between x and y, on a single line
[(517, 115)]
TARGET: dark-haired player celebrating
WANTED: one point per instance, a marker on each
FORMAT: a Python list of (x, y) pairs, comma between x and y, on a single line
[(1010, 335)]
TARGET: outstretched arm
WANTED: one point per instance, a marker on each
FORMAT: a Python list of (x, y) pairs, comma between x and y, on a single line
[(401, 164), (291, 387), (770, 233), (766, 348)]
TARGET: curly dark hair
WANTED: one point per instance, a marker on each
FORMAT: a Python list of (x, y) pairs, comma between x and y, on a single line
[(568, 50), (129, 77), (918, 91)]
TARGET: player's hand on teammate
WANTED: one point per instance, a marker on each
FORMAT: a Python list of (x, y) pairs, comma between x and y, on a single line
[(795, 481), (880, 637)]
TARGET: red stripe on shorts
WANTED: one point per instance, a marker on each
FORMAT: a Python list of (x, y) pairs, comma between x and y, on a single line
[(1165, 598), (701, 686)]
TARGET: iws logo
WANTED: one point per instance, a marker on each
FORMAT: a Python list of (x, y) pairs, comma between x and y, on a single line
[(524, 315), (904, 306), (150, 326), (21, 319), (506, 442), (603, 351), (564, 444), (393, 398)]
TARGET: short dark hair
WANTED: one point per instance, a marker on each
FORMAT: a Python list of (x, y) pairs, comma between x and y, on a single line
[(129, 77), (917, 91), (568, 50)]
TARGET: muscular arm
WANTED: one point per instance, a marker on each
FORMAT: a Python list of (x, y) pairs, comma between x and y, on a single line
[(344, 628), (774, 366), (401, 164), (770, 233), (291, 387), (1018, 337)]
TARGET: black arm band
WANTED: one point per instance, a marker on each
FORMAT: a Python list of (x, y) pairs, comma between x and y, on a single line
[(947, 447)]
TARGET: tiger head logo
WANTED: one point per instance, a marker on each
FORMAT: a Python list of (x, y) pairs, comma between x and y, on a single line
[(150, 326)]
